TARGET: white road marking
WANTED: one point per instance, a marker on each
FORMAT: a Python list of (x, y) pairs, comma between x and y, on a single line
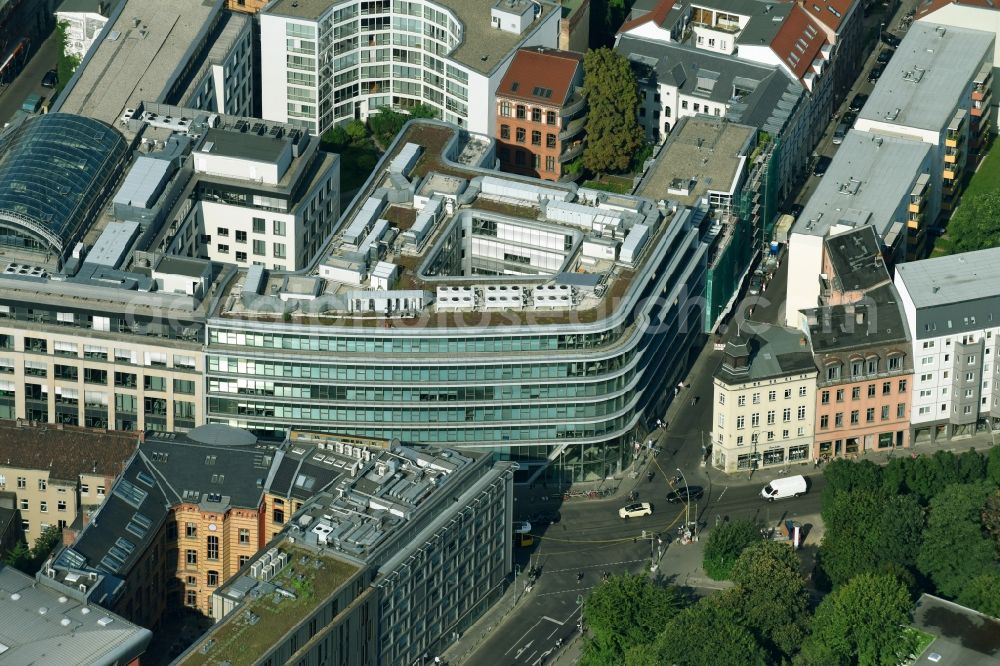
[(518, 655), (544, 655), (722, 493), (594, 566)]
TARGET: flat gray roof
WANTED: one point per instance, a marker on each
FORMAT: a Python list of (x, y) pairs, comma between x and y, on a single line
[(926, 76), (244, 145), (128, 67), (482, 48), (962, 636), (704, 149), (955, 278), (865, 184)]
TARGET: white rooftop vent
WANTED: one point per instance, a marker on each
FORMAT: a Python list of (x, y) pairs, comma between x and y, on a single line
[(15, 596), (105, 621), (64, 622)]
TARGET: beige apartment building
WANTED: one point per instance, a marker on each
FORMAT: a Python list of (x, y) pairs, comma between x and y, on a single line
[(59, 473), (764, 401)]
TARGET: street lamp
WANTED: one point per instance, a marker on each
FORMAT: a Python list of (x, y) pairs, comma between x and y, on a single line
[(687, 500)]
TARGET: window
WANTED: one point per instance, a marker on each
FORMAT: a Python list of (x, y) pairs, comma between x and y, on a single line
[(802, 392), (856, 393), (741, 422), (279, 250), (222, 231), (786, 414), (212, 579), (536, 138), (505, 109), (550, 140), (756, 398), (833, 373), (61, 505), (100, 491), (840, 395), (85, 488), (244, 536), (191, 530), (872, 366), (722, 420), (870, 415), (42, 484), (505, 131), (901, 410), (855, 417), (212, 547), (885, 412), (259, 225), (259, 248), (824, 397), (971, 360), (550, 117), (536, 115), (824, 422), (520, 134), (926, 360), (871, 390), (895, 362), (741, 401), (191, 556), (857, 368), (550, 163), (24, 504), (191, 580), (519, 111), (772, 396), (241, 237), (278, 516), (902, 386), (801, 412), (755, 420), (190, 598), (770, 417), (243, 560), (278, 227), (929, 344), (886, 388)]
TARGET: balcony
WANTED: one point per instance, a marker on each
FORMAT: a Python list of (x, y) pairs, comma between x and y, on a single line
[(952, 156), (915, 207), (951, 141), (575, 103), (571, 151), (573, 128), (951, 173)]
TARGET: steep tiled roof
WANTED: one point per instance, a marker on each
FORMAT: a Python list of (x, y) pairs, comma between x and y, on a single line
[(798, 42), (539, 74), (830, 12), (658, 16), (931, 6), (66, 453)]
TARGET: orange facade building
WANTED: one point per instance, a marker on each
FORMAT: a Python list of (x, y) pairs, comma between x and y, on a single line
[(541, 113)]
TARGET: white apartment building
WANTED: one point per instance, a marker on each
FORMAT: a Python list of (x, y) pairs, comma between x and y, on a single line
[(330, 61), (764, 401), (84, 21), (248, 192), (952, 307)]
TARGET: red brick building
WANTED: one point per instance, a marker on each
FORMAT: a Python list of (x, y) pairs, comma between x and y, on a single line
[(541, 113)]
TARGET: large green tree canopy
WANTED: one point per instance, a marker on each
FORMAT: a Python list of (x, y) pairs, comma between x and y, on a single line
[(613, 132)]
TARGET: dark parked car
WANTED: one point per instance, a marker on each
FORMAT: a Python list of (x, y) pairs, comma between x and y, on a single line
[(795, 210), (756, 283), (682, 494), (890, 39), (822, 164), (858, 102), (849, 118), (876, 72), (50, 79), (884, 55)]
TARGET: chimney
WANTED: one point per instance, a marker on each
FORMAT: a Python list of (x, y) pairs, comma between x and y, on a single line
[(802, 341)]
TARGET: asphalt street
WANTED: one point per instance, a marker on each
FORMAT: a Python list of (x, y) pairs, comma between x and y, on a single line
[(29, 80)]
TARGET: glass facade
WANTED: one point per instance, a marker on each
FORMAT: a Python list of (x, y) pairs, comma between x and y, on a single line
[(578, 395)]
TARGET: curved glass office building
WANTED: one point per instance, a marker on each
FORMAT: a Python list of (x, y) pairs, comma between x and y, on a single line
[(545, 322), (55, 172)]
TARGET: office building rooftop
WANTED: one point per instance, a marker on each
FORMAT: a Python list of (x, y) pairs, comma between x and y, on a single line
[(956, 278), (702, 154), (40, 623), (418, 206), (864, 185), (146, 45), (927, 76)]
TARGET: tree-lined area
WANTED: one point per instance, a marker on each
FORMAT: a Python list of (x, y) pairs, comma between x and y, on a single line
[(923, 524)]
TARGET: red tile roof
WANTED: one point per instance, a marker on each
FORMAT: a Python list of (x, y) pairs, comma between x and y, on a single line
[(658, 15), (539, 74), (66, 453), (934, 5), (798, 42), (829, 12)]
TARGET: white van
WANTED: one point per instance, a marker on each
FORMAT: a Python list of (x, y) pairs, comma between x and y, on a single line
[(790, 486)]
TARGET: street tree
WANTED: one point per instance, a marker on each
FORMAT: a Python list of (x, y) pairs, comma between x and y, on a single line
[(705, 633), (725, 543), (993, 466), (990, 517), (842, 475), (613, 132), (623, 612), (864, 529), (770, 597), (955, 548), (862, 622), (975, 225)]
